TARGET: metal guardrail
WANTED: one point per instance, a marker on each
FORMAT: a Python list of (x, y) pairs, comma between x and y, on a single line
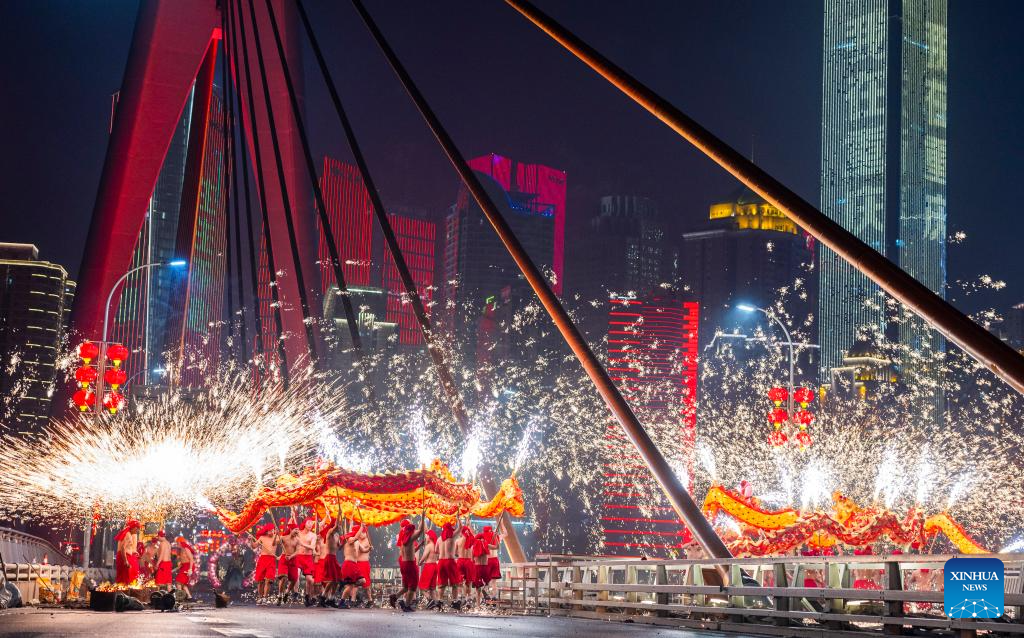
[(17, 546), (790, 596), (25, 577)]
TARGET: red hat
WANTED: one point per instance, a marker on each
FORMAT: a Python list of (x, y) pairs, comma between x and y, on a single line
[(487, 534), (467, 533), (405, 533), (433, 535), (867, 551), (162, 534), (130, 526), (265, 530), (355, 530), (447, 531), (184, 543)]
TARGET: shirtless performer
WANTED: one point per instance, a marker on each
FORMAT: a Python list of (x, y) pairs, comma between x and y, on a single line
[(128, 553), (265, 545), (332, 568), (349, 571), (324, 572), (464, 560), (493, 571), (186, 563), (164, 569), (447, 569), (303, 560), (481, 547), (287, 574), (407, 537), (363, 548), (428, 569)]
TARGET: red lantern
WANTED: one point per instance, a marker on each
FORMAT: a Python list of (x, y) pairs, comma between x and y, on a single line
[(114, 401), (778, 415), (84, 399), (804, 417), (778, 395), (803, 439), (117, 353), (86, 375), (777, 438), (115, 377), (803, 396), (88, 350)]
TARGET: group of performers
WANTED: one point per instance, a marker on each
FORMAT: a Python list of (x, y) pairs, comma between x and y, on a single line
[(139, 562), (455, 568)]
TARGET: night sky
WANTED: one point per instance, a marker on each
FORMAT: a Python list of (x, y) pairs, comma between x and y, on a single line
[(748, 70)]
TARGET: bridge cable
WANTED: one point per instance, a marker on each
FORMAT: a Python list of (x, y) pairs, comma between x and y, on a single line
[(240, 147), (262, 192), (683, 504), (321, 207), (227, 330), (286, 203), (440, 364)]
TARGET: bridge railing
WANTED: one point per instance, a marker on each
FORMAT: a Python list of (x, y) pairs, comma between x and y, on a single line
[(794, 595), (26, 577), (18, 546)]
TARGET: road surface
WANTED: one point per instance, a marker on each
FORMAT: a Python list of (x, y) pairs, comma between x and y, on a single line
[(260, 622)]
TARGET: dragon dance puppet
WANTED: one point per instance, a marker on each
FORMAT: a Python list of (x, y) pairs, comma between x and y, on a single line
[(766, 532), (378, 499)]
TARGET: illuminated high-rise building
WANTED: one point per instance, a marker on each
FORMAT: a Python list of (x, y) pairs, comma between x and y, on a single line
[(34, 300), (367, 263), (179, 310), (652, 358), (531, 198), (883, 166)]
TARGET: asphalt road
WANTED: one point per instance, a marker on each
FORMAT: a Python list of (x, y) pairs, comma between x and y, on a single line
[(259, 622)]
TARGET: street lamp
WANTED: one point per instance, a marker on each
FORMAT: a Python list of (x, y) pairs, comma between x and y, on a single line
[(771, 315)]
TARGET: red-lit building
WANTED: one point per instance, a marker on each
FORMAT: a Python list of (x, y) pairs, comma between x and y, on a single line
[(366, 259), (652, 357), (179, 310)]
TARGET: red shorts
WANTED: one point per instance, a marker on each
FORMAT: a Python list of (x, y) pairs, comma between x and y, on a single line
[(303, 562), (493, 570), (349, 572), (410, 574), (364, 570), (467, 570), (184, 574), (428, 576), (332, 570), (163, 573), (287, 568), (266, 568), (448, 572), (127, 568), (479, 574), (318, 571)]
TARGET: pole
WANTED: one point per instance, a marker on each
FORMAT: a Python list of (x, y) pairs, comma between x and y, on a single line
[(789, 341), (676, 493), (992, 353), (440, 364)]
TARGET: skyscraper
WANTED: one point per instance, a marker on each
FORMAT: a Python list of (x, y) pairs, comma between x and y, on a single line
[(883, 166), (748, 252), (531, 197), (173, 309), (366, 260), (652, 358), (34, 300)]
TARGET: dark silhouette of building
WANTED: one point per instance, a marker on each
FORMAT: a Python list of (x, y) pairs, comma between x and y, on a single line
[(477, 266), (35, 298), (748, 253)]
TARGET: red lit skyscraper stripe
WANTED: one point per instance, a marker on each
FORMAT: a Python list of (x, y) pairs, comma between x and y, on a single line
[(416, 241), (652, 357), (351, 215)]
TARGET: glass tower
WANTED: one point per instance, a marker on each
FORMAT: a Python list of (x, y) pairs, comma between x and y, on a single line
[(883, 160)]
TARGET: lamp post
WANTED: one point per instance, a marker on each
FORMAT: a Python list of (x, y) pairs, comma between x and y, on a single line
[(177, 263), (749, 308)]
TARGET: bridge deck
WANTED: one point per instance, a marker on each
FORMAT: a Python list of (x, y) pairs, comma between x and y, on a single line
[(261, 622)]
